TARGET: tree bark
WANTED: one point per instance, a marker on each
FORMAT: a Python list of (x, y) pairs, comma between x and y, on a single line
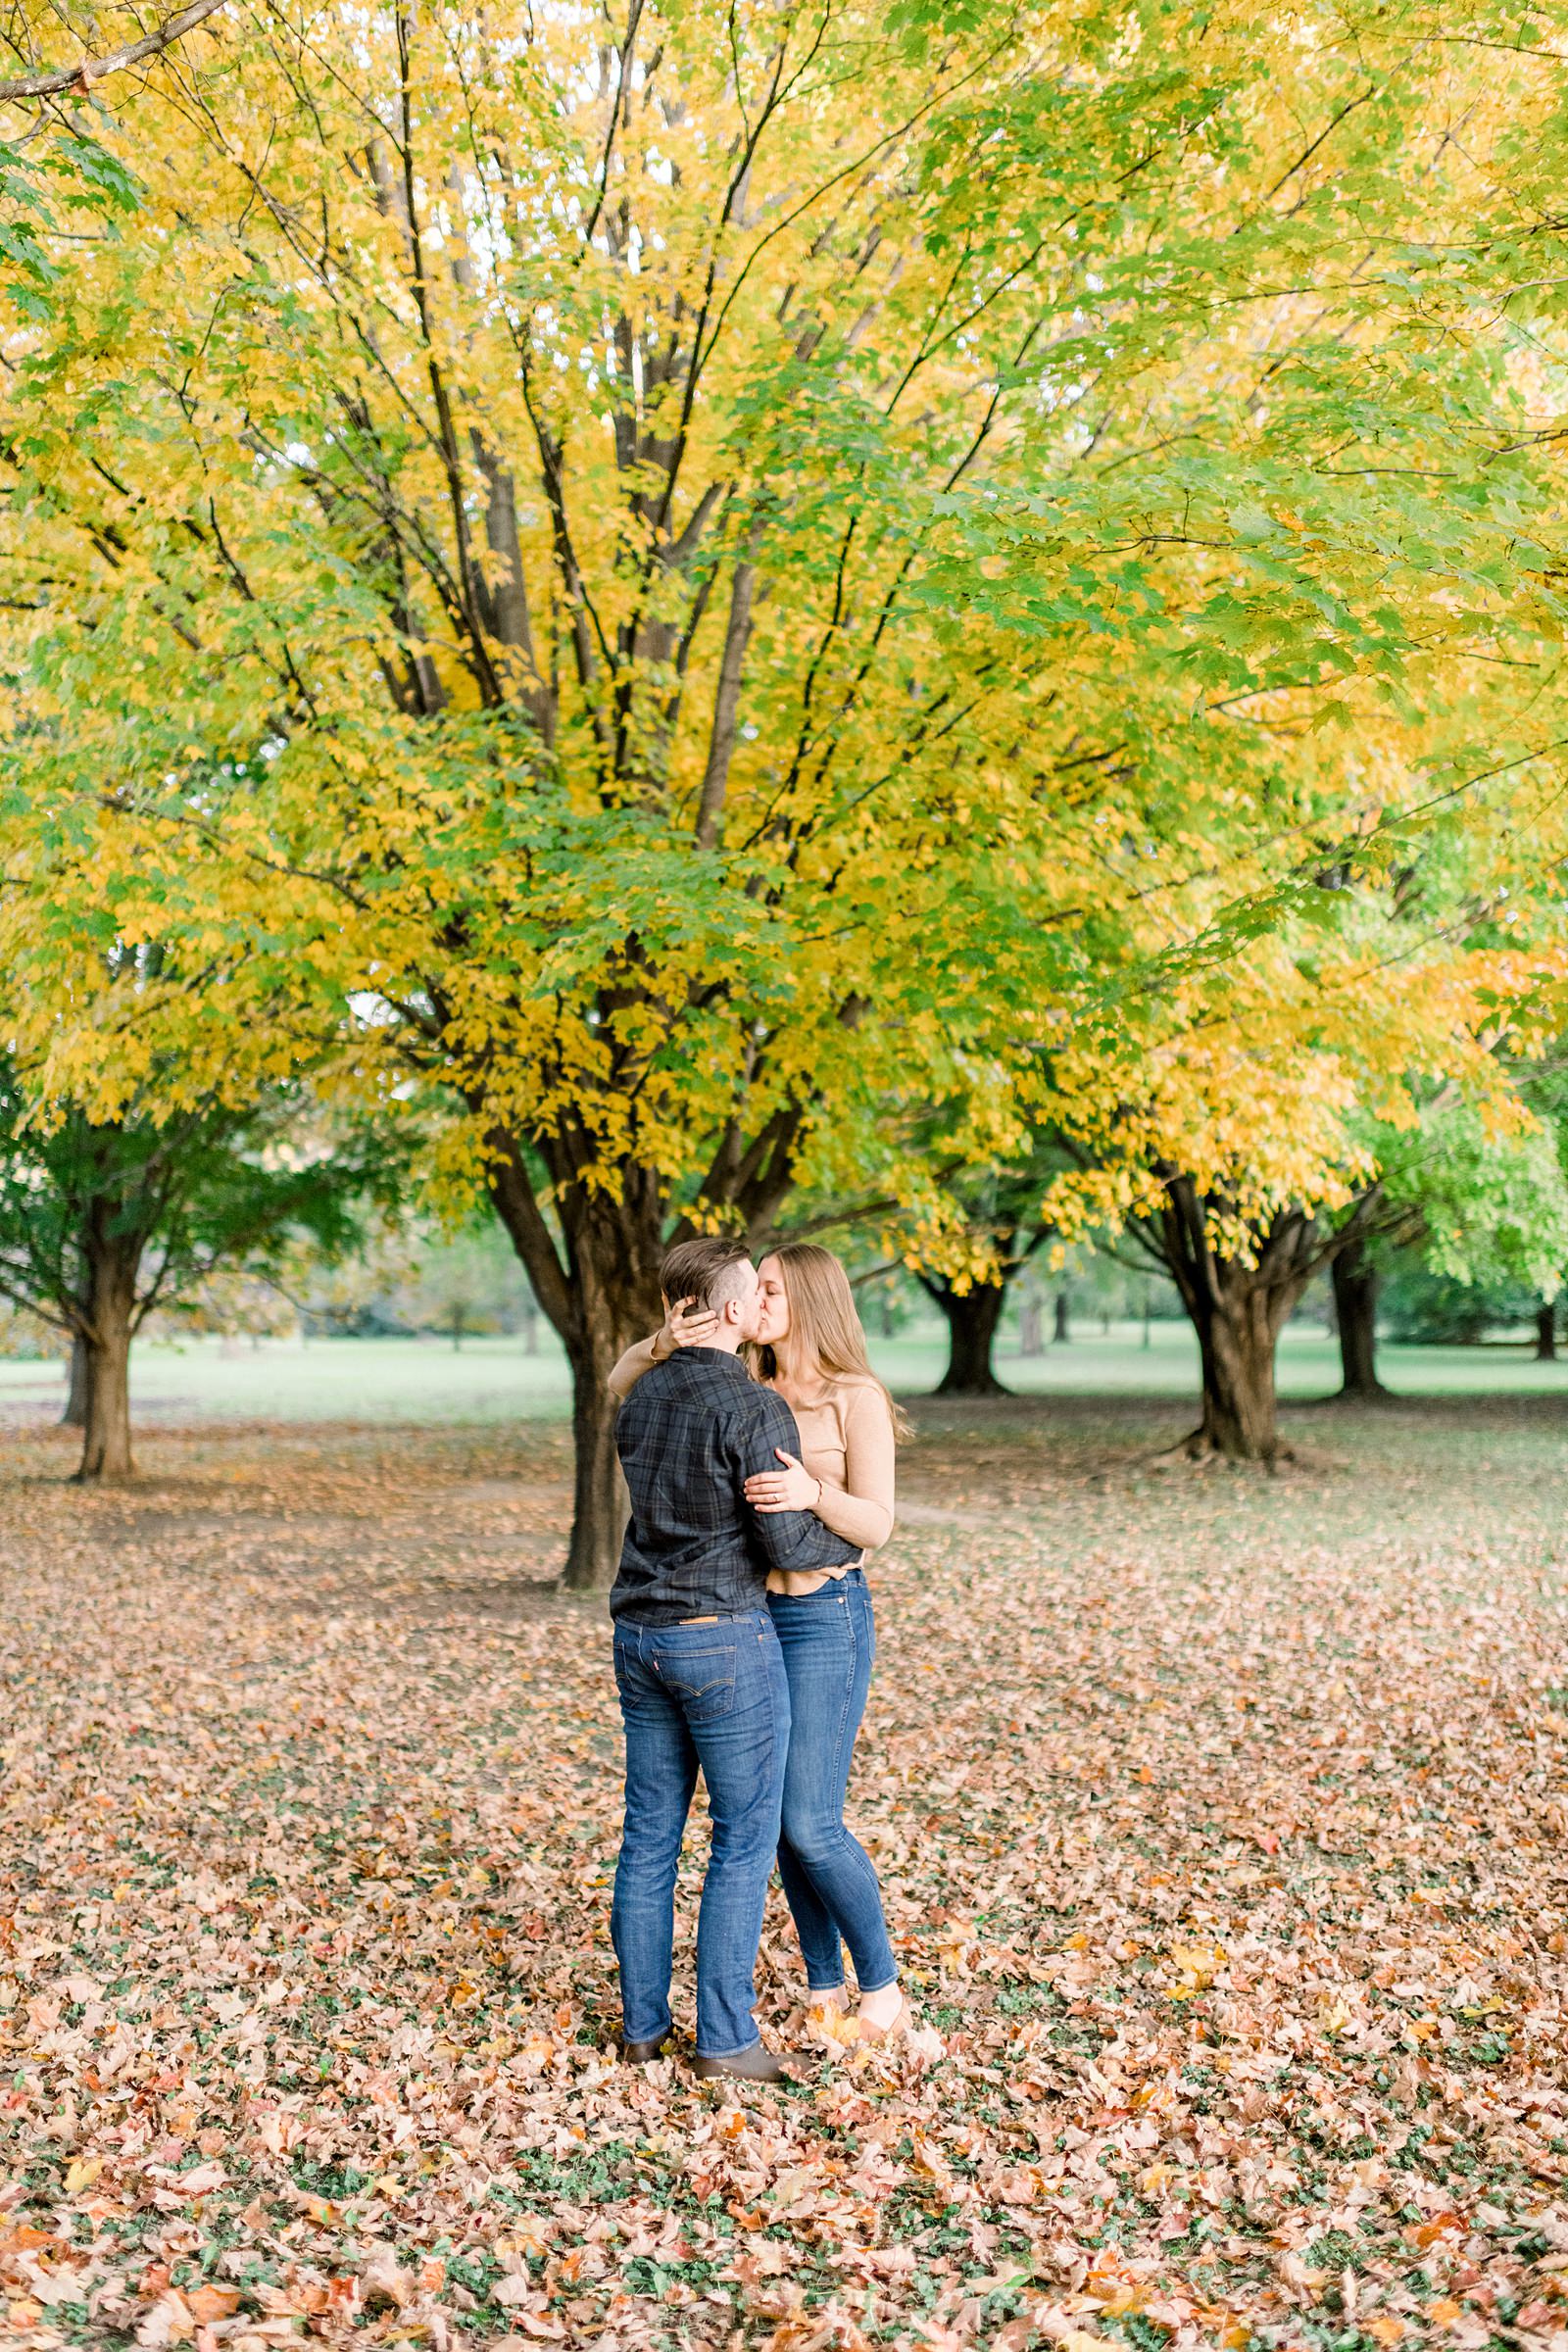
[(726, 703), (113, 1262), (595, 1273), (1062, 1335), (1237, 1310), (613, 1251), (75, 1416), (603, 1296), (1236, 1344), (1546, 1331), (1031, 1338), (599, 1505), (1356, 1296), (973, 1320)]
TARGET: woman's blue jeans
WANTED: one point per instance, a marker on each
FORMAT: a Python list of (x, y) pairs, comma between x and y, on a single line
[(828, 1639)]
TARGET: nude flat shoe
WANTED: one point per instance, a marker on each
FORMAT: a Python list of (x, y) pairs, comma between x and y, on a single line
[(899, 2023)]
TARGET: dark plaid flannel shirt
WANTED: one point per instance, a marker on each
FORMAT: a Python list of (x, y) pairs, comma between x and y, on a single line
[(691, 1433)]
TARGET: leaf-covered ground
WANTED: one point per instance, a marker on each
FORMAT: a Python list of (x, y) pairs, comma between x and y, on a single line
[(1223, 1824)]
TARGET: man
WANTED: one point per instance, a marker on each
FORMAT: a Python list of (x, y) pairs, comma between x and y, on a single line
[(698, 1664)]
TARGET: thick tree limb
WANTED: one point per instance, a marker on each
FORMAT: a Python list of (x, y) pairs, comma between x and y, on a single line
[(727, 701), (88, 69), (515, 1204)]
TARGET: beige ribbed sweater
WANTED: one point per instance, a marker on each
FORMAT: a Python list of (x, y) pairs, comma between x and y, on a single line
[(846, 1442)]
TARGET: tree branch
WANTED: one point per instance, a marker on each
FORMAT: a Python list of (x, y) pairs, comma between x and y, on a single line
[(727, 698), (513, 1194), (89, 69)]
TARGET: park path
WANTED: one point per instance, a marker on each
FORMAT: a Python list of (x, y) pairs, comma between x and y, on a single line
[(1223, 1823)]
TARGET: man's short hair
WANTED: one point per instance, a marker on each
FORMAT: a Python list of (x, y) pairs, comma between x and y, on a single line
[(705, 1270)]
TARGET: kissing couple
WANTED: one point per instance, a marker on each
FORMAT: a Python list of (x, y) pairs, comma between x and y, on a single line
[(757, 1447)]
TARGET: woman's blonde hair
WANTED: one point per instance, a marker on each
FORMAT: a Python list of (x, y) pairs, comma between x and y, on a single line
[(824, 1322)]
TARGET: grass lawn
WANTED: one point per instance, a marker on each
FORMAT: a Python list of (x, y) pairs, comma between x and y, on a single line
[(493, 1380), (1222, 1821)]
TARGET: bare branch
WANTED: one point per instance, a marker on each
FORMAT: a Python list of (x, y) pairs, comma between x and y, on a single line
[(89, 69), (726, 700)]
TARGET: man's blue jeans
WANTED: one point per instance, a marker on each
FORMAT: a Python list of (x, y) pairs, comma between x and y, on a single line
[(715, 1696), (829, 1643)]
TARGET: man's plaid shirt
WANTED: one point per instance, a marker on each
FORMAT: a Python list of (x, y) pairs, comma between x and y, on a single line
[(690, 1435)]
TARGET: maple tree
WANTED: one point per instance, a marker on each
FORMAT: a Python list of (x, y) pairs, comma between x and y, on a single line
[(973, 1315), (1335, 1150), (1385, 1112), (1488, 1210), (464, 1281), (1370, 1065), (1356, 1279), (998, 1230), (621, 572), (104, 1222)]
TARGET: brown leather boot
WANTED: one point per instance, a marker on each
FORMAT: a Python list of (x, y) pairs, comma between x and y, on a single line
[(756, 2065), (644, 2054)]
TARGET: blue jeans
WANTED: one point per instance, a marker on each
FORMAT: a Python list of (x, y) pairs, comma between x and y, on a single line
[(712, 1695), (829, 1642)]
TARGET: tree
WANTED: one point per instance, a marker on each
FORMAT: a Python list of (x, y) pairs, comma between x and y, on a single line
[(74, 1414), (1482, 1208), (104, 1222), (467, 1281), (1240, 1281), (1356, 1280), (61, 170), (1424, 1309), (980, 1234), (1488, 1210), (1392, 1110), (724, 618), (972, 1314), (422, 1275)]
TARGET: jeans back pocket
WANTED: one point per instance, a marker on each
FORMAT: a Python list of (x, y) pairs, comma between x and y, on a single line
[(703, 1680)]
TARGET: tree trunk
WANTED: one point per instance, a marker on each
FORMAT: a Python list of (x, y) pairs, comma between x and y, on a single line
[(595, 1273), (113, 1262), (599, 1505), (604, 1296), (75, 1416), (1547, 1333), (1031, 1336), (1355, 1298), (1237, 1311), (973, 1320), (1235, 1343), (1062, 1335)]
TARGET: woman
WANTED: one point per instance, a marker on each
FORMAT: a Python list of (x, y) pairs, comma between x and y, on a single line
[(811, 1349)]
